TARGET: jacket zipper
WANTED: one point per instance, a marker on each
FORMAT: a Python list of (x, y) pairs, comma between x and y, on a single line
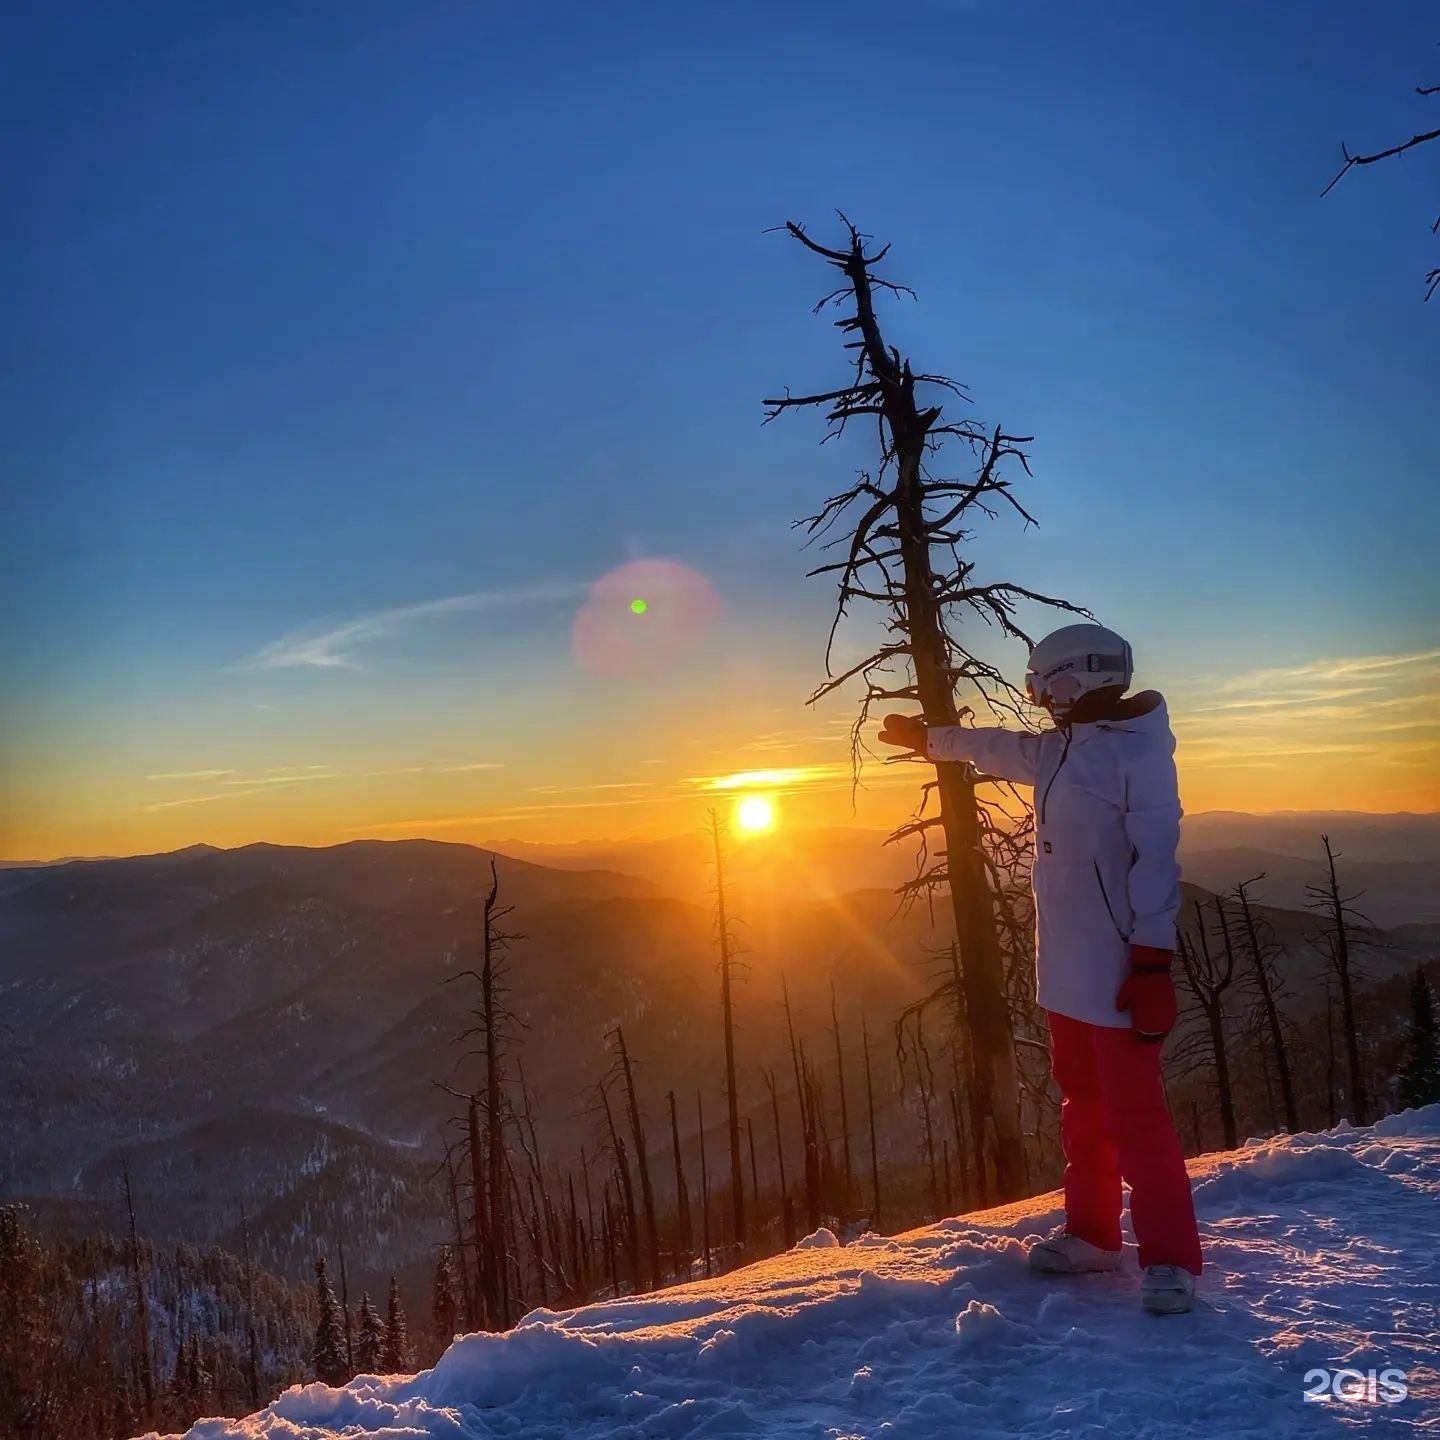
[(1109, 910), (1049, 785)]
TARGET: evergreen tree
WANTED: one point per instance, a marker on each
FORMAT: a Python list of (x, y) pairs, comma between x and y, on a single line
[(1420, 1075), (370, 1339), (395, 1356), (328, 1355), (444, 1312)]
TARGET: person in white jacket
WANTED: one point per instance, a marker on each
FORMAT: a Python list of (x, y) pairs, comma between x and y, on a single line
[(1107, 891)]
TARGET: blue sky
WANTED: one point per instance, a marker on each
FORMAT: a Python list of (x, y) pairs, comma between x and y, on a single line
[(318, 312)]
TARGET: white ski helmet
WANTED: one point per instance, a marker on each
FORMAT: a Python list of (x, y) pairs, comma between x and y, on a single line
[(1074, 660)]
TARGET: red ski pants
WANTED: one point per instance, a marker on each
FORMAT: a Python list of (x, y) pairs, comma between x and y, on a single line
[(1114, 1122)]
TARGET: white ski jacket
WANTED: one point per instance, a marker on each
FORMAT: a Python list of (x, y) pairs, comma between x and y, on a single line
[(1107, 819)]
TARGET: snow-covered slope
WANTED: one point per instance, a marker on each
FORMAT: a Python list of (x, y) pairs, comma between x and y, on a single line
[(1321, 1254)]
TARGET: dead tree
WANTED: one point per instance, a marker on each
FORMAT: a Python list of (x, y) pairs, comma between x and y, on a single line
[(615, 1142), (726, 943), (808, 1138), (487, 1107), (642, 1158), (684, 1244), (754, 1174), (844, 1106), (1209, 978), (787, 1209), (1263, 951), (924, 1078), (1341, 920), (144, 1363), (904, 553), (467, 1294), (1423, 137), (704, 1183), (870, 1113)]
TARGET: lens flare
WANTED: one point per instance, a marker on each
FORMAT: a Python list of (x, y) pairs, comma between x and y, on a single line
[(756, 814), (677, 604)]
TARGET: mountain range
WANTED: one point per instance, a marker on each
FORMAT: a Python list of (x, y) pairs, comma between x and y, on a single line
[(273, 1025)]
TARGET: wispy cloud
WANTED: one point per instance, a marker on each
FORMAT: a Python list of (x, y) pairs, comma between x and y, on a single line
[(189, 800), (1355, 711), (190, 775), (282, 777), (333, 647)]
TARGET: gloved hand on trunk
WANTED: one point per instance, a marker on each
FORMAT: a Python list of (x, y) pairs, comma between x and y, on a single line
[(1148, 993), (906, 731)]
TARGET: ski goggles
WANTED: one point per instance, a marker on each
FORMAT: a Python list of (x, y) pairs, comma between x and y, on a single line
[(1063, 684)]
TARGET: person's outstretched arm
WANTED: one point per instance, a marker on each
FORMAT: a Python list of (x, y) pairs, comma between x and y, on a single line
[(1006, 754)]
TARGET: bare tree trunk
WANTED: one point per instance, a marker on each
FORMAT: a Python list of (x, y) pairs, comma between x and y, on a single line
[(754, 1176), (610, 1264), (467, 1293), (479, 1215), (704, 1184), (807, 1124), (1332, 1117), (897, 533), (970, 1160), (642, 1163), (870, 1111), (787, 1209), (732, 1104), (144, 1365), (844, 1107), (1337, 906), (685, 1245), (1261, 964), (627, 1189)]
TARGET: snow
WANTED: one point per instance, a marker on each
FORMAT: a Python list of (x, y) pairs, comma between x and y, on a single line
[(1321, 1252)]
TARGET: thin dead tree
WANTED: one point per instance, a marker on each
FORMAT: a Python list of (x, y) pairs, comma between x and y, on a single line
[(487, 1107), (615, 1142), (870, 1114), (787, 1208), (704, 1183), (144, 1361), (809, 1143), (725, 941), (1403, 147), (1341, 922), (1263, 950), (905, 553), (626, 1074), (844, 1105), (1209, 977), (684, 1244)]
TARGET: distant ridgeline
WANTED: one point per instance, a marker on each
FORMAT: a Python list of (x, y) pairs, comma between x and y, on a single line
[(304, 1037)]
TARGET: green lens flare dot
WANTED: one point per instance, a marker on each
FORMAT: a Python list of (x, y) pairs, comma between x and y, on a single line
[(639, 607)]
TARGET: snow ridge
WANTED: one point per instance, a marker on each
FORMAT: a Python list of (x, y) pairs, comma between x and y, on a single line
[(1321, 1253)]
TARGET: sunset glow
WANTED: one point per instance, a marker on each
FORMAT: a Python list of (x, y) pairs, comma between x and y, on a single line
[(756, 814)]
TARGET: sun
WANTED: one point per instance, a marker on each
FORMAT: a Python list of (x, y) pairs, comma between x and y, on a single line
[(756, 814)]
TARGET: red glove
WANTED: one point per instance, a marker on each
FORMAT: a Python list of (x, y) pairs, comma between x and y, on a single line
[(906, 731), (1148, 993)]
